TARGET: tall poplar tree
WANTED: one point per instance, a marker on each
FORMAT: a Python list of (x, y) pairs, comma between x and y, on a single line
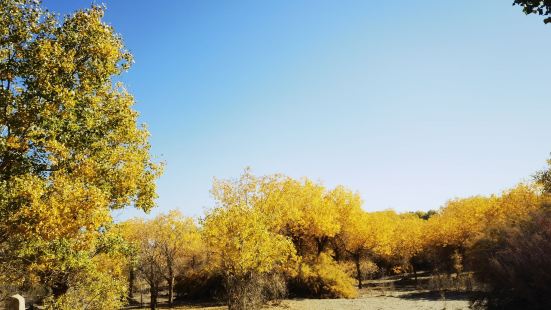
[(71, 148)]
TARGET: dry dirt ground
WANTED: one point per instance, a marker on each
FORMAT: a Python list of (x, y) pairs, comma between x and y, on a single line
[(373, 298), (382, 300)]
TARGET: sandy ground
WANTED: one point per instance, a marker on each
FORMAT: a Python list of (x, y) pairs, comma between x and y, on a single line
[(369, 299), (388, 293), (389, 300)]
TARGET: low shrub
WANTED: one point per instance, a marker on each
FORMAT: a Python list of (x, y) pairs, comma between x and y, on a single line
[(323, 278), (462, 282), (253, 290)]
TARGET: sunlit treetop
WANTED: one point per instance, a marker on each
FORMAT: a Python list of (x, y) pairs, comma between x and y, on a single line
[(62, 114)]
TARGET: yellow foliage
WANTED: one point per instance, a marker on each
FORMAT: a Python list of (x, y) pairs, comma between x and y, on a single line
[(408, 237), (367, 268), (91, 289), (371, 232), (460, 222), (161, 246), (328, 279), (516, 204), (71, 148), (240, 242), (464, 221)]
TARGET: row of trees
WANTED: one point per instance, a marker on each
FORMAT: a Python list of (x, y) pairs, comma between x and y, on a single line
[(270, 234), (159, 249), (269, 229)]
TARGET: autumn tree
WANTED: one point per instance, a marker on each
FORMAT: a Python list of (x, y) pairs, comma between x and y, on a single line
[(306, 213), (515, 204), (408, 239), (146, 257), (366, 234), (70, 147), (303, 210), (161, 246), (350, 214), (543, 178), (462, 222), (99, 283), (241, 246), (177, 238), (313, 218)]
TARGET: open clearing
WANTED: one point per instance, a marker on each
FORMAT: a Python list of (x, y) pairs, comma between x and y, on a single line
[(369, 299), (377, 300)]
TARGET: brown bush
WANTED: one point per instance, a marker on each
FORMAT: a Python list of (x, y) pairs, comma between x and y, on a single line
[(248, 292), (442, 282), (253, 290), (514, 263)]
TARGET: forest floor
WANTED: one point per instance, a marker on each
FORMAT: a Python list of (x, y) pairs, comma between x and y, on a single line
[(380, 294)]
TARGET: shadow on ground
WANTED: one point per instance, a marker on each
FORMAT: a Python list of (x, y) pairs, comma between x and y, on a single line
[(432, 295), (200, 304)]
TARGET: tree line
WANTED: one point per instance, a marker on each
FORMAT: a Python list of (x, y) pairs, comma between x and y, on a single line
[(273, 236)]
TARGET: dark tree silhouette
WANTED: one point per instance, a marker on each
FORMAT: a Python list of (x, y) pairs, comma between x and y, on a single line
[(540, 7)]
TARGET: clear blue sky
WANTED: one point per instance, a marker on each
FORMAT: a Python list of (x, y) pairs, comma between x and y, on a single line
[(408, 102)]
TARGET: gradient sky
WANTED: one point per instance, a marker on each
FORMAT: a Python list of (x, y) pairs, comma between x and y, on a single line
[(410, 103)]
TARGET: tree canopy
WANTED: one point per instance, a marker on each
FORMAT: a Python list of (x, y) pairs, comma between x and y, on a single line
[(71, 148), (540, 7)]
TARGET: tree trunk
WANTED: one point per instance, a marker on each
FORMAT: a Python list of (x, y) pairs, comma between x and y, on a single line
[(337, 254), (414, 274), (297, 241), (321, 243), (154, 292), (358, 270), (170, 290), (131, 277)]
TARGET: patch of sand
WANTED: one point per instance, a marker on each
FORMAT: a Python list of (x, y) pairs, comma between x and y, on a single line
[(373, 300)]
